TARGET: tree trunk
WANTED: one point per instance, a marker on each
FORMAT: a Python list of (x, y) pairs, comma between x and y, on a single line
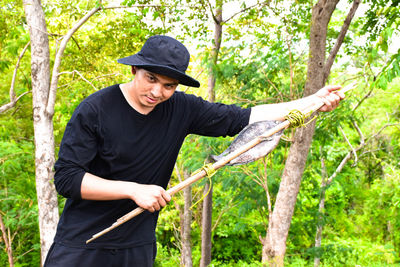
[(207, 203), (321, 207), (278, 228), (46, 193), (43, 125), (215, 50), (275, 243), (186, 221), (43, 99), (206, 226)]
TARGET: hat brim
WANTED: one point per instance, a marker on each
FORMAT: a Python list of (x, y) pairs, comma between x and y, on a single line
[(183, 79)]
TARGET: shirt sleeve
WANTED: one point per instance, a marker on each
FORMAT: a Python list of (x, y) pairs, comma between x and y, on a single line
[(217, 119), (78, 148)]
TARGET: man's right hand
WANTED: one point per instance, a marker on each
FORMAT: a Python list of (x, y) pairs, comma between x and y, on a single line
[(150, 197)]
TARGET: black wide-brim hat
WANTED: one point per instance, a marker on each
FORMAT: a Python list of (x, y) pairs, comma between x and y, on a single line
[(163, 55)]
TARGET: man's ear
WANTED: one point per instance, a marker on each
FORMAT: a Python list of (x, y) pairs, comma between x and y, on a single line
[(133, 70)]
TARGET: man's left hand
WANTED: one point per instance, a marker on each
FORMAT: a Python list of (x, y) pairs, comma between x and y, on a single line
[(331, 96)]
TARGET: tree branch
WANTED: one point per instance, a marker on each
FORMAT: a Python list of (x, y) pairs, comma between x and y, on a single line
[(282, 97), (348, 142), (211, 10), (362, 100), (13, 98), (7, 242), (266, 188), (12, 92), (339, 40), (243, 10), (381, 129), (291, 71), (60, 53), (133, 6), (10, 105), (57, 60), (178, 173), (219, 218), (362, 138), (106, 75), (83, 78), (348, 155)]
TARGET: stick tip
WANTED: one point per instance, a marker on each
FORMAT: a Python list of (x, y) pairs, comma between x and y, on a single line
[(348, 87)]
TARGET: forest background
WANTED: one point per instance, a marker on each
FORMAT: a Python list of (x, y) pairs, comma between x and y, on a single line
[(347, 211)]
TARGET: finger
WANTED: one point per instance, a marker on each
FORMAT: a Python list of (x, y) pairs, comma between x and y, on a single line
[(166, 196), (340, 94), (334, 99), (156, 206), (162, 202), (338, 99), (332, 88), (327, 103)]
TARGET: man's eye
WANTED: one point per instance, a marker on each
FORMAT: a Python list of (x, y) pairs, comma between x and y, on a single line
[(170, 86)]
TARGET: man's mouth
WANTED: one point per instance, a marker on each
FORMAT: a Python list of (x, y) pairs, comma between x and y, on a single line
[(151, 100)]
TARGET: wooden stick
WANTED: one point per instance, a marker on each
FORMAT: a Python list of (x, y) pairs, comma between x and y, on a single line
[(194, 178), (217, 165)]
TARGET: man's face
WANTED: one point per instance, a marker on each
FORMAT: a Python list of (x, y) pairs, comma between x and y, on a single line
[(150, 89)]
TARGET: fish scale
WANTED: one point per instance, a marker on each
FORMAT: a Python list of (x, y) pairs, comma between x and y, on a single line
[(249, 133)]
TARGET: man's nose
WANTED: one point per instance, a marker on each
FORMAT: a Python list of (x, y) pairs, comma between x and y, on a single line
[(156, 90)]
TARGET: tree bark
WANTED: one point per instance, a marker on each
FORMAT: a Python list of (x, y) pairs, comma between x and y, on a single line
[(274, 248), (43, 125), (186, 221), (278, 228), (215, 50), (206, 225), (43, 99)]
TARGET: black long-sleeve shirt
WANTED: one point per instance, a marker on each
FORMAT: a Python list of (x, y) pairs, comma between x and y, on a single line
[(108, 138)]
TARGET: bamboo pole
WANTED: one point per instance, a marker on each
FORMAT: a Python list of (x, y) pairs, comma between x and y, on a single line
[(217, 165)]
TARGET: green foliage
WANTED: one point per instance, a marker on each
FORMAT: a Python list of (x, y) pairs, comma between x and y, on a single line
[(18, 204), (381, 18), (166, 257), (352, 252), (232, 239), (258, 55), (390, 71), (249, 80)]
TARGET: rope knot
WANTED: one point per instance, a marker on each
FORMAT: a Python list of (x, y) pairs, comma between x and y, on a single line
[(210, 171), (208, 168), (297, 118)]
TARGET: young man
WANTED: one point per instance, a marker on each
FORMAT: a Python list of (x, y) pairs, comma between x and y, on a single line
[(120, 147)]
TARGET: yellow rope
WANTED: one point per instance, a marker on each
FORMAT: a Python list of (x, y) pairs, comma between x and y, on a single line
[(210, 171), (297, 118), (208, 168)]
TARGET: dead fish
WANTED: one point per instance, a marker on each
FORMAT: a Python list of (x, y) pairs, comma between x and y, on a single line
[(249, 133)]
